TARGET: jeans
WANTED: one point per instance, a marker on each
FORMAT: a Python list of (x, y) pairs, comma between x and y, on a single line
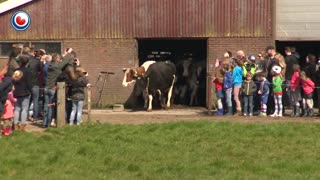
[(229, 97), (76, 109), (49, 97), (248, 101), (35, 100), (21, 110)]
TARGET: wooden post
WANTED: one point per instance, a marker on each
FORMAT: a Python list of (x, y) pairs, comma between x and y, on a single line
[(209, 94), (61, 104), (89, 102)]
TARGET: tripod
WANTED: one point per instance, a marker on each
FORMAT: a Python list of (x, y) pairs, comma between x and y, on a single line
[(103, 76)]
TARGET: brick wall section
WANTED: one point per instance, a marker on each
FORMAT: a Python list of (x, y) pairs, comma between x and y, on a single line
[(112, 55)]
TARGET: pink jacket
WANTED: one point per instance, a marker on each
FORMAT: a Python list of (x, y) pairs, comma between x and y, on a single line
[(9, 107), (295, 81), (307, 86)]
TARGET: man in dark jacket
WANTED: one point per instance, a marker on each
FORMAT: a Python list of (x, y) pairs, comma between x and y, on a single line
[(54, 70), (291, 60), (35, 68)]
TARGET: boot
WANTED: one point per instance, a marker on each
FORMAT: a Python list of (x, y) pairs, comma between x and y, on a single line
[(304, 113), (219, 112), (16, 127), (310, 112), (23, 127), (238, 113), (294, 111), (229, 112), (297, 111)]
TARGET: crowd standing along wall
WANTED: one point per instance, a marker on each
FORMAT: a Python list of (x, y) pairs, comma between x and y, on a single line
[(104, 32)]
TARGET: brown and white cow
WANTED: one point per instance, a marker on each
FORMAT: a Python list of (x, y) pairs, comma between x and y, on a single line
[(131, 74)]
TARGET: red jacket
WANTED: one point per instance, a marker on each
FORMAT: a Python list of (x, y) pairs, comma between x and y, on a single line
[(307, 86), (218, 84), (295, 81)]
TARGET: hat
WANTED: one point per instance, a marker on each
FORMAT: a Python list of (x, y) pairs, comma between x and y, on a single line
[(251, 58), (269, 48), (276, 69)]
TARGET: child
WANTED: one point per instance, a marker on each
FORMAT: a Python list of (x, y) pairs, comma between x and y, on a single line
[(308, 88), (8, 114), (295, 94), (248, 90), (218, 81), (77, 95), (237, 82), (277, 90), (227, 86), (264, 91)]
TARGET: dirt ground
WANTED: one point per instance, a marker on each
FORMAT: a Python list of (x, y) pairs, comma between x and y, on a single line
[(172, 115)]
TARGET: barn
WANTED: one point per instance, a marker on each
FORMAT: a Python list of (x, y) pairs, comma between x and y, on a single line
[(109, 35)]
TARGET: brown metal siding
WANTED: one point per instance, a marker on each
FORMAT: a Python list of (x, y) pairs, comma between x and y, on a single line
[(71, 19)]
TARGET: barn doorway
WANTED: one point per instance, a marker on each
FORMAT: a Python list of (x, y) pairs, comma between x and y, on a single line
[(189, 55)]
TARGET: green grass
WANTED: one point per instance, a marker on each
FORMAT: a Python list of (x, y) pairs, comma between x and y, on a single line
[(184, 150)]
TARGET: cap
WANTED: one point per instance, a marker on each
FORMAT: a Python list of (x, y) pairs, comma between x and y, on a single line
[(251, 58), (269, 48)]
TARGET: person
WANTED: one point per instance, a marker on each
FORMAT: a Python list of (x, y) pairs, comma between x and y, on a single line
[(237, 82), (277, 91), (248, 90), (259, 62), (77, 95), (227, 86), (22, 91), (317, 82), (290, 61), (35, 68), (308, 88), (54, 70), (13, 59), (249, 66), (8, 114), (218, 82), (294, 89), (310, 68), (264, 91), (241, 56), (295, 52)]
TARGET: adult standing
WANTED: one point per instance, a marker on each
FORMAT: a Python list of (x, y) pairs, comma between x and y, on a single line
[(35, 68), (290, 60), (22, 91)]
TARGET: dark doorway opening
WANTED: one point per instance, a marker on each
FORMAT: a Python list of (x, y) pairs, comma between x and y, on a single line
[(190, 58)]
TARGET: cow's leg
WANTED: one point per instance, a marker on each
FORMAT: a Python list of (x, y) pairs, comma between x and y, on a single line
[(170, 92), (161, 97), (146, 98), (193, 94), (150, 103)]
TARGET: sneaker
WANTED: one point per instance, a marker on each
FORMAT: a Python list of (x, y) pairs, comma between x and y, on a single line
[(274, 115), (245, 114), (262, 114), (250, 115)]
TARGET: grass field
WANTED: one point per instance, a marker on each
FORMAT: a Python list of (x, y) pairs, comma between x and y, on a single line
[(184, 150)]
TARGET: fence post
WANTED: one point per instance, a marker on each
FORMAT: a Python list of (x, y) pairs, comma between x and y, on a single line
[(89, 102), (61, 104)]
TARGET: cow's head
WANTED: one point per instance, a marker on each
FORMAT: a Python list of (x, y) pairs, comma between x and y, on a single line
[(130, 75)]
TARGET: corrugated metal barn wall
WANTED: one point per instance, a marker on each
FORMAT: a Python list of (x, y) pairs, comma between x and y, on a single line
[(71, 19)]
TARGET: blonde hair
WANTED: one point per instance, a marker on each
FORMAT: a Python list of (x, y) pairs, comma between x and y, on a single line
[(17, 75)]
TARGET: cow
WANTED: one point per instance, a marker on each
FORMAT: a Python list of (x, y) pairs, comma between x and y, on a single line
[(191, 78), (131, 74), (157, 81)]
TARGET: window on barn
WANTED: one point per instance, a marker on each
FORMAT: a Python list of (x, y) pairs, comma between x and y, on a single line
[(50, 47)]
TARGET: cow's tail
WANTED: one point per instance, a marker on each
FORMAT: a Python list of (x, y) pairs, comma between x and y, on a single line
[(170, 92)]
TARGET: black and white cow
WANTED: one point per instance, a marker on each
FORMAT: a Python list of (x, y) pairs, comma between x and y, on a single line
[(157, 81)]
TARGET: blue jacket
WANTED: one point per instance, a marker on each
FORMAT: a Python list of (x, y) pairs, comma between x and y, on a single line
[(227, 81), (237, 76), (264, 87)]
